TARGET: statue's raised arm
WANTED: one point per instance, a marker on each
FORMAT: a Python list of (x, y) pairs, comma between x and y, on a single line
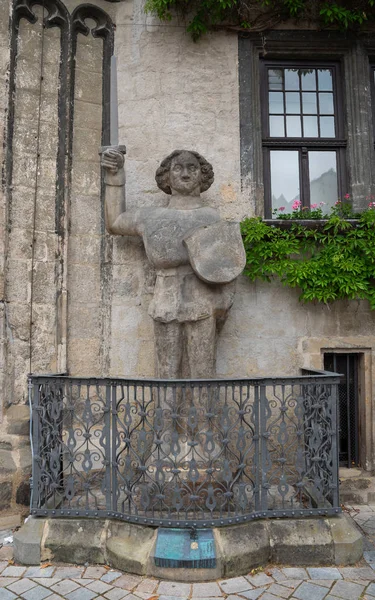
[(118, 221)]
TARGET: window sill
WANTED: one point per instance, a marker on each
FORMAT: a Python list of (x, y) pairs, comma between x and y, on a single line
[(308, 223)]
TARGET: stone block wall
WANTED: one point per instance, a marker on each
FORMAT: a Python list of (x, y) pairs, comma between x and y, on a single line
[(75, 299)]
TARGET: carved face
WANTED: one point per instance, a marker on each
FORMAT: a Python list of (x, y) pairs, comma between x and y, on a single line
[(185, 174)]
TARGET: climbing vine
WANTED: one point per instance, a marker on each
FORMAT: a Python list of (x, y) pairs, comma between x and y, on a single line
[(334, 259), (259, 15)]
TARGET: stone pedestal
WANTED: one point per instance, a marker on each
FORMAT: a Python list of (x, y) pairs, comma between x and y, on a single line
[(239, 548)]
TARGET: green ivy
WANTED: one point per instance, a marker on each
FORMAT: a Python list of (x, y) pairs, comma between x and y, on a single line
[(258, 14), (331, 261)]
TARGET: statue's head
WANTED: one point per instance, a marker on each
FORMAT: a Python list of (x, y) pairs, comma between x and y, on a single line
[(186, 172)]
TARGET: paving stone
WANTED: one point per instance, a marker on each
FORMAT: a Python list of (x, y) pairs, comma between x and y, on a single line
[(7, 581), (68, 572), (81, 594), (166, 598), (65, 587), (84, 582), (268, 596), (369, 556), (22, 585), (232, 597), (172, 588), (37, 593), (205, 590), (99, 587), (291, 583), (3, 565), (128, 582), (142, 595), (13, 571), (277, 574), (347, 589), (111, 576), (324, 582), (39, 572), (280, 590), (6, 594), (47, 582), (94, 572), (235, 584), (310, 591), (295, 573), (147, 586), (253, 594), (324, 573), (116, 594), (357, 573), (55, 597), (259, 579), (371, 589)]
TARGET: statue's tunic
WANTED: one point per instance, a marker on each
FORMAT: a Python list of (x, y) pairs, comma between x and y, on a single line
[(179, 294)]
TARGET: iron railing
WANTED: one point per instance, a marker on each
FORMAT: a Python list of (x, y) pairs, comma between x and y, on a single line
[(183, 453)]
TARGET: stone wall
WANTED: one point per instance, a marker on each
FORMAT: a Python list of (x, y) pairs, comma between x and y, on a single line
[(75, 298)]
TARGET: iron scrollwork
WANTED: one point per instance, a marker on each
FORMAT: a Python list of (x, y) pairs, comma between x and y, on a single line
[(177, 453)]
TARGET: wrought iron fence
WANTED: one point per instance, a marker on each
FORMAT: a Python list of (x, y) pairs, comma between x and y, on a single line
[(177, 453)]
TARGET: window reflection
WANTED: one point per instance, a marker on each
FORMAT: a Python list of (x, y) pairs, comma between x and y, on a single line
[(323, 178), (293, 126), (310, 126), (277, 126), (309, 103), (294, 91), (325, 79), (308, 79), (285, 187)]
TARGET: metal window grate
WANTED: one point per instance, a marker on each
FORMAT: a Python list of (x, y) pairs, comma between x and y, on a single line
[(347, 364)]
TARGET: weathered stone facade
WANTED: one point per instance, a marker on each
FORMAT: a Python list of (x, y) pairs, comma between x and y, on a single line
[(75, 300)]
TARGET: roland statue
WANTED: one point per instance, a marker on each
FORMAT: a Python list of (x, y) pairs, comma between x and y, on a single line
[(196, 255)]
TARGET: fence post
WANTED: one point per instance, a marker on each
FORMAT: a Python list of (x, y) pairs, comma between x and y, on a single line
[(335, 446)]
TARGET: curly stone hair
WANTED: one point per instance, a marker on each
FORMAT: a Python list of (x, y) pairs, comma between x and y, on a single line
[(162, 173)]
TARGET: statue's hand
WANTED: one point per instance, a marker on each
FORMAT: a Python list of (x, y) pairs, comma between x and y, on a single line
[(112, 160)]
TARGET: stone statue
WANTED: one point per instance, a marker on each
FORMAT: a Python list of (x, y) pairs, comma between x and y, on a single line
[(197, 258)]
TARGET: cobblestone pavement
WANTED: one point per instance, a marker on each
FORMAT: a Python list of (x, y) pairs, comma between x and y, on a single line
[(55, 582)]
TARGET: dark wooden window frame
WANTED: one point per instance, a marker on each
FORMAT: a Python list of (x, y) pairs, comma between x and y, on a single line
[(372, 88), (303, 145)]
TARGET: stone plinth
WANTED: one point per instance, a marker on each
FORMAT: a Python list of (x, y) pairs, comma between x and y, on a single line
[(239, 548)]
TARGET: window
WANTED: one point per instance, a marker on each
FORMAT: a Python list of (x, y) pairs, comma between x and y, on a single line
[(303, 136)]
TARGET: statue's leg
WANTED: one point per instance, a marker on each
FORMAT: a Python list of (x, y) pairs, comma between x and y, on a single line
[(168, 346), (201, 348)]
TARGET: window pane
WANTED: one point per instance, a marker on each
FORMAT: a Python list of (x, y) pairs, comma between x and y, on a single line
[(310, 126), (293, 103), (308, 79), (284, 178), (326, 104), (276, 100), (323, 178), (309, 103), (275, 79), (327, 127), (293, 126), (324, 79), (277, 127), (291, 79)]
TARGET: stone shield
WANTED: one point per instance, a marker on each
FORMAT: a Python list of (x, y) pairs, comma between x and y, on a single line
[(216, 252)]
